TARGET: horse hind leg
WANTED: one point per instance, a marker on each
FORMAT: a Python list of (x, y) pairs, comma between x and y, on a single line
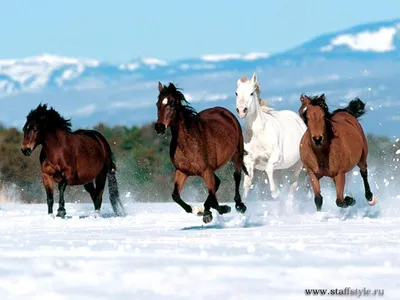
[(372, 200), (237, 176), (98, 195), (272, 162), (89, 187)]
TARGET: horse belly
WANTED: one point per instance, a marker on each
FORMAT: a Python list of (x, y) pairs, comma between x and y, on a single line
[(88, 167)]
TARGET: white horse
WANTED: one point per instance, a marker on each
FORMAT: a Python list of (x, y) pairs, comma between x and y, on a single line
[(272, 138)]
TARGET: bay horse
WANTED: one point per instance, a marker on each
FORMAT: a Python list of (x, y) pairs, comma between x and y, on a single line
[(333, 145), (70, 158), (201, 143), (271, 137)]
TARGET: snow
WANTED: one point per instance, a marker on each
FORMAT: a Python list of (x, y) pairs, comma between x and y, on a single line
[(379, 41), (160, 252), (154, 62)]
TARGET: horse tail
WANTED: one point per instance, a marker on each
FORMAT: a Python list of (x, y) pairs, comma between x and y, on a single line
[(356, 108), (113, 189)]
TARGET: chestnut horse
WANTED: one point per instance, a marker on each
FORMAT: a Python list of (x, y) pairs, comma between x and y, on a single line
[(201, 143), (333, 145), (70, 158)]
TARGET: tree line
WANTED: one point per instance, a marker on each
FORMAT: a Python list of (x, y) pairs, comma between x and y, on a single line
[(144, 168)]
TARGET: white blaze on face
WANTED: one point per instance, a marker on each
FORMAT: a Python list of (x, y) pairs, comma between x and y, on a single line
[(165, 101)]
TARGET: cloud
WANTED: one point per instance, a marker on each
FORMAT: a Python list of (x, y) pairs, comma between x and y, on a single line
[(376, 41), (85, 110)]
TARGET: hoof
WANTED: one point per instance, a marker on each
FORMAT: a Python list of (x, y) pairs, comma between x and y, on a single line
[(241, 208), (207, 217), (373, 201), (349, 201), (341, 204), (275, 194), (197, 211), (61, 213), (223, 209)]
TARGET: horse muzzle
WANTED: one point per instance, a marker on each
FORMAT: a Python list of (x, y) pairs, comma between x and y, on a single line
[(242, 113), (26, 151), (318, 141), (160, 128)]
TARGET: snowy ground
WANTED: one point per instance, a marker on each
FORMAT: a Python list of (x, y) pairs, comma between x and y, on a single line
[(160, 252)]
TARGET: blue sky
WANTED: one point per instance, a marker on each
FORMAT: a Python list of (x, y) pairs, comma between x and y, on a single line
[(121, 30)]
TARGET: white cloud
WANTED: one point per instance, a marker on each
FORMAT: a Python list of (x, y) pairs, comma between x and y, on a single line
[(85, 110), (376, 41), (230, 56)]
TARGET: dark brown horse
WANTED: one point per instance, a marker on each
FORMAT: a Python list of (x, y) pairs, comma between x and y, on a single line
[(333, 145), (70, 158), (201, 143)]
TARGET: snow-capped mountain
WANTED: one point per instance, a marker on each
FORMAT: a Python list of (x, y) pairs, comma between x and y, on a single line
[(361, 61)]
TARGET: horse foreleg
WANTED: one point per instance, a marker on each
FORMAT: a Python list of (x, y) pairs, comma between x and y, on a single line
[(239, 205), (272, 162), (249, 163), (211, 201), (364, 174), (314, 180), (294, 177), (180, 179), (341, 201), (61, 204), (49, 187)]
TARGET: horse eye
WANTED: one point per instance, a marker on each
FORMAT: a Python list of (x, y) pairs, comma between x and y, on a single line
[(236, 93), (252, 94)]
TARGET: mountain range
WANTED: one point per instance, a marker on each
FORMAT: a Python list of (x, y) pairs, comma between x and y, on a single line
[(362, 61)]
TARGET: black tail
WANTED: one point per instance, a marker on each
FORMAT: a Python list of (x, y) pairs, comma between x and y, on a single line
[(356, 108), (114, 193)]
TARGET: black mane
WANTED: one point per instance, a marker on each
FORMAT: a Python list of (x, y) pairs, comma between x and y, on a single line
[(48, 118), (318, 101), (181, 103)]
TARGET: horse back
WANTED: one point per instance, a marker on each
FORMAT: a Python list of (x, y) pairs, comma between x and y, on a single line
[(100, 140), (78, 157)]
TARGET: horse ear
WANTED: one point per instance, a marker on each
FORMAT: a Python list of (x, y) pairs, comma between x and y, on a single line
[(160, 88), (323, 97), (305, 100), (172, 87), (254, 78)]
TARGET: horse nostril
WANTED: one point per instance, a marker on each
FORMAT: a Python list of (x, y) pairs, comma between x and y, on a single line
[(317, 139), (245, 110), (237, 110)]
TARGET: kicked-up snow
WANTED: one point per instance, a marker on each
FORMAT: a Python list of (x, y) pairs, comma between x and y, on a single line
[(160, 252)]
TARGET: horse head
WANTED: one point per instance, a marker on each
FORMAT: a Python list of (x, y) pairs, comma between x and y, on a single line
[(38, 122), (246, 96), (316, 115)]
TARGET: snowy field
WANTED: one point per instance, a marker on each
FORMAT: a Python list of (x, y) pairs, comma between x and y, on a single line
[(160, 252)]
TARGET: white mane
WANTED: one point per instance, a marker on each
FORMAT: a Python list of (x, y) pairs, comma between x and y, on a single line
[(263, 103)]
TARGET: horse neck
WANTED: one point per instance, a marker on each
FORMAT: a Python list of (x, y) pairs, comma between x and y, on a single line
[(255, 117), (52, 139), (178, 128)]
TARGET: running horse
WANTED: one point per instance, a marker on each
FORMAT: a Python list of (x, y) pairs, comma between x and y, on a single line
[(70, 158), (333, 145), (201, 143)]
